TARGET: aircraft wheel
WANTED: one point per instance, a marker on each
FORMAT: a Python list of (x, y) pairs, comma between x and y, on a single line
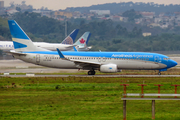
[(91, 72), (159, 73)]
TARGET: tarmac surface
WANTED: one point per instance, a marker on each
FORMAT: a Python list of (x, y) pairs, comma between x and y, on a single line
[(140, 76), (18, 66)]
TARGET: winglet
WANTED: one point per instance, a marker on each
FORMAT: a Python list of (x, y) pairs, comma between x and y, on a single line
[(60, 53)]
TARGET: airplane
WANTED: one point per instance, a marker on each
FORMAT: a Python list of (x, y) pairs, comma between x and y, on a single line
[(81, 43), (67, 43), (107, 62)]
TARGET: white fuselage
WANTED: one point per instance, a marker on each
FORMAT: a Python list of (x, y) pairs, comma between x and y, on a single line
[(55, 61), (8, 45)]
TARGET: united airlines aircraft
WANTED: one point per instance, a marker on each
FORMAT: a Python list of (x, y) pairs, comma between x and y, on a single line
[(108, 62)]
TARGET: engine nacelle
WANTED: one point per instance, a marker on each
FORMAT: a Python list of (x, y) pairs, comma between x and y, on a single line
[(109, 68)]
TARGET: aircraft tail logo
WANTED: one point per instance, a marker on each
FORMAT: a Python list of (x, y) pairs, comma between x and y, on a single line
[(82, 41), (71, 37)]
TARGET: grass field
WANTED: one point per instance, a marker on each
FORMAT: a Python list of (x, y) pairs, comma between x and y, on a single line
[(82, 98)]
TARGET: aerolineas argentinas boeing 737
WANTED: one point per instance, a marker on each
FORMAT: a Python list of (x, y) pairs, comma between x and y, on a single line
[(108, 62)]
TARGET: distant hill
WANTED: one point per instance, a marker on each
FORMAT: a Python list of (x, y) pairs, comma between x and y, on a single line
[(124, 6)]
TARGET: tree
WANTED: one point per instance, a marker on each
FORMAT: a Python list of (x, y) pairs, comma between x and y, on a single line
[(131, 14), (18, 9)]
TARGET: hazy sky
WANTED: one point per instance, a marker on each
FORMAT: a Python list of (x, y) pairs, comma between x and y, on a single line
[(62, 4)]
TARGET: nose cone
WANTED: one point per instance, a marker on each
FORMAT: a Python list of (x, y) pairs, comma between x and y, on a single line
[(172, 63)]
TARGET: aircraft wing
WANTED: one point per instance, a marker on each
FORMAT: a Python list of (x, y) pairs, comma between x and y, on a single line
[(80, 63), (83, 64)]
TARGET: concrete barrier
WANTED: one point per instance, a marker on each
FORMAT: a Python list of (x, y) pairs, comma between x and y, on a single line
[(6, 73), (30, 75)]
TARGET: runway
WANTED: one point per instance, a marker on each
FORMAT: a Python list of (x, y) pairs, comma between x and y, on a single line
[(135, 76), (18, 66)]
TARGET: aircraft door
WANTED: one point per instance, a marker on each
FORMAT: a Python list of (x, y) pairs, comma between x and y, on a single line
[(99, 59), (104, 59), (156, 59), (37, 58)]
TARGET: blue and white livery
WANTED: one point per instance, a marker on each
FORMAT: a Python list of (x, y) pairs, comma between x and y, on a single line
[(8, 45), (109, 62)]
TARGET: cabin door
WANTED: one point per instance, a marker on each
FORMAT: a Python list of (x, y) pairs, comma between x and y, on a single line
[(37, 58), (156, 59), (104, 59)]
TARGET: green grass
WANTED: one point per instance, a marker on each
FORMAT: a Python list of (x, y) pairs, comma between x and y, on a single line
[(82, 98)]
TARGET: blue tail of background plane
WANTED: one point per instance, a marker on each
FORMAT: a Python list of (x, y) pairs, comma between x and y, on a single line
[(71, 37)]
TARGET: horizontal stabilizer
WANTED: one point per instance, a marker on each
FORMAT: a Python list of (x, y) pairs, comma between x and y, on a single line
[(17, 53)]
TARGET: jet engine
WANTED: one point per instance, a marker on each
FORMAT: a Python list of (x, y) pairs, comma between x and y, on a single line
[(108, 68)]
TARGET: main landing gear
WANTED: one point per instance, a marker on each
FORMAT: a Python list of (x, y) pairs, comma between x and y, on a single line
[(159, 73), (91, 72)]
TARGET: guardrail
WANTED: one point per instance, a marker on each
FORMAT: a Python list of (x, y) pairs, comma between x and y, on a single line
[(142, 95)]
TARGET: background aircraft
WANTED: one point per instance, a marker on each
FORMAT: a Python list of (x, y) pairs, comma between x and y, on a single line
[(109, 62), (66, 45), (81, 43)]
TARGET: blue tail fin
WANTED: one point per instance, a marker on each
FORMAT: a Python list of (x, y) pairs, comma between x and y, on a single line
[(20, 39), (16, 30), (71, 37)]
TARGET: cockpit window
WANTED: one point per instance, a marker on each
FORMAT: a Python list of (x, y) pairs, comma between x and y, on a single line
[(166, 58)]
